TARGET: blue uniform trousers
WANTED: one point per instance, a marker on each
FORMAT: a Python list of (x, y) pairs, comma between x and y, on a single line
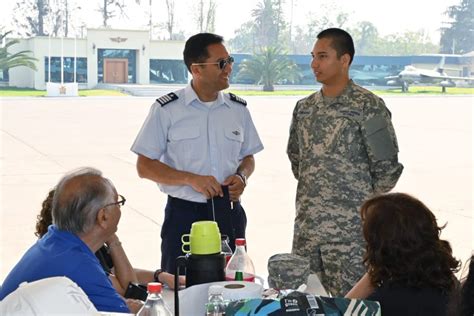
[(179, 216)]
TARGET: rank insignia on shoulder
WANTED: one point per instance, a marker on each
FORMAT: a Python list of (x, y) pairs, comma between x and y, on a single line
[(237, 99), (167, 98)]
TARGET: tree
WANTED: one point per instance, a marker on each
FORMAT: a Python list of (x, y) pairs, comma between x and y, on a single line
[(407, 43), (29, 17), (43, 17), (269, 67), (266, 28), (329, 16), (245, 40), (268, 22), (458, 36), (21, 58), (108, 10), (366, 38), (170, 15), (206, 16)]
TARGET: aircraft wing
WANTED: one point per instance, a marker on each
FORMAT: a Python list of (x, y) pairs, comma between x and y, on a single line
[(392, 77), (446, 77)]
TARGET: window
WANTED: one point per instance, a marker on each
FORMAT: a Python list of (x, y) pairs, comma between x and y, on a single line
[(68, 69), (168, 71)]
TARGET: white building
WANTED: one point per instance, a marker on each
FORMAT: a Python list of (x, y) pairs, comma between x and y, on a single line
[(104, 56)]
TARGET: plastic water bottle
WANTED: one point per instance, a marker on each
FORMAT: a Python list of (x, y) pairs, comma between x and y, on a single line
[(154, 305), (240, 266), (225, 248), (216, 304)]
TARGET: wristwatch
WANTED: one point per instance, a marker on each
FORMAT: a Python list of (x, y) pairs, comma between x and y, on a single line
[(242, 177), (156, 275)]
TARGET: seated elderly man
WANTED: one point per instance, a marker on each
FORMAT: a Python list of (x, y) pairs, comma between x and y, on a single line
[(86, 212)]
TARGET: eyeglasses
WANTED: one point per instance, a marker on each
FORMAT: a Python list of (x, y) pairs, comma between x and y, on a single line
[(120, 202), (222, 63)]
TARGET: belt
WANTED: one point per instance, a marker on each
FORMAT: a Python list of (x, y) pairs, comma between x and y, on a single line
[(186, 203), (178, 201)]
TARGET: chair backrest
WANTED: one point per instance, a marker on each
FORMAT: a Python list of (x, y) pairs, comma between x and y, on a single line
[(50, 296)]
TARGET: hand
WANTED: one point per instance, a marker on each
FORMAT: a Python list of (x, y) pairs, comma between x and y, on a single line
[(207, 185), (168, 279), (133, 305), (236, 187), (113, 239)]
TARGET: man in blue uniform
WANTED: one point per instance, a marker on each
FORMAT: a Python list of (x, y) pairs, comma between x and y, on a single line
[(195, 143), (86, 212)]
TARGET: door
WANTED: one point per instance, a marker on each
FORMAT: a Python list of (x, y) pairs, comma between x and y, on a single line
[(115, 70)]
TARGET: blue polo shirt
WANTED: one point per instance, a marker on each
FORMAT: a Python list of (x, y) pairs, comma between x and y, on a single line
[(60, 253), (188, 135)]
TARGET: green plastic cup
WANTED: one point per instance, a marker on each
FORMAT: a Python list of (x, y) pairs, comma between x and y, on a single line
[(204, 239)]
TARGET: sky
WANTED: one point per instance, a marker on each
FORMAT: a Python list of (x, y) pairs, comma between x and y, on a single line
[(388, 16)]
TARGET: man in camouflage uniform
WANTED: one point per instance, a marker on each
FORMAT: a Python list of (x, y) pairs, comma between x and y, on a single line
[(343, 150)]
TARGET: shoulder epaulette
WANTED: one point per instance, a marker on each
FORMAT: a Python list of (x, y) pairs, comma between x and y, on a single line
[(167, 98), (237, 99)]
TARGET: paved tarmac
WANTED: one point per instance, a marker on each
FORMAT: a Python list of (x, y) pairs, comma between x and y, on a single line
[(41, 138)]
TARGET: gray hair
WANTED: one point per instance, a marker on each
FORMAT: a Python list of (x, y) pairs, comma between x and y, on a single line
[(79, 195)]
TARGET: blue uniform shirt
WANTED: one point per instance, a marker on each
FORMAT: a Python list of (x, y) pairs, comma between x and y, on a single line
[(60, 253), (188, 135)]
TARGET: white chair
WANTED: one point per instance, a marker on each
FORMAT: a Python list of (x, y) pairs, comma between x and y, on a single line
[(50, 296)]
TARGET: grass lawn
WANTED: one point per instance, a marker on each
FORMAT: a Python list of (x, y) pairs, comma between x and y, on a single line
[(26, 92), (414, 90), (431, 90), (267, 93)]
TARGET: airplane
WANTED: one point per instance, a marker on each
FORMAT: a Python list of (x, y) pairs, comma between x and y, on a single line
[(411, 75)]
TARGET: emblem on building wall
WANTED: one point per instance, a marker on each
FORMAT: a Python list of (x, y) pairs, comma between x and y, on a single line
[(118, 39)]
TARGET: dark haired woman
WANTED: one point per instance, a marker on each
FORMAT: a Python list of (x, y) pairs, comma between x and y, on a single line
[(410, 270)]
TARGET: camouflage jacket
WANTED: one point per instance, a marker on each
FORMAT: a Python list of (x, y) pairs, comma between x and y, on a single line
[(341, 154)]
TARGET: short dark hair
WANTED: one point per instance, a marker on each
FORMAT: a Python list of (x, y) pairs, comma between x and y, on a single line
[(195, 49), (341, 41), (403, 245)]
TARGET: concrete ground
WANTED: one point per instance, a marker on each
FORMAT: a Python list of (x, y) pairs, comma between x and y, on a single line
[(41, 138)]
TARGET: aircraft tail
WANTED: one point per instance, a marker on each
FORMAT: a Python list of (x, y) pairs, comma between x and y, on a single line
[(440, 68)]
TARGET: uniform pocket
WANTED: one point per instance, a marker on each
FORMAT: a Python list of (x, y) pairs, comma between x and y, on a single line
[(183, 133), (234, 138), (184, 142)]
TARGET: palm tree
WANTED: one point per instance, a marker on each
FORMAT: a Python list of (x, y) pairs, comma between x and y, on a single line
[(21, 58), (268, 68)]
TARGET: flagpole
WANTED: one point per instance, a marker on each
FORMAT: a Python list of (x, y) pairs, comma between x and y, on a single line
[(75, 58), (49, 58), (62, 59)]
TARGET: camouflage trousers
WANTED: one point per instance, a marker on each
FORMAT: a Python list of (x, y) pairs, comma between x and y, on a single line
[(338, 265)]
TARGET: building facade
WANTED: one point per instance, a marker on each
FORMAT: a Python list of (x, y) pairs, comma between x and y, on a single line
[(113, 56), (104, 56)]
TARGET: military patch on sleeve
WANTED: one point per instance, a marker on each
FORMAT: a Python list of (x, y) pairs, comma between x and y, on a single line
[(237, 99), (167, 98)]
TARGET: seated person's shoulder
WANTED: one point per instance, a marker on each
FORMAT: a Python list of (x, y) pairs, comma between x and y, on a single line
[(410, 301)]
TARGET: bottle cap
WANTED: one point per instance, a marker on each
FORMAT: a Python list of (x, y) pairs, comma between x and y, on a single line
[(239, 276), (154, 287), (240, 241), (224, 237), (216, 289)]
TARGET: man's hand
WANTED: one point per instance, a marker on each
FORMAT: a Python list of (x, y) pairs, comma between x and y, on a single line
[(133, 305), (207, 185), (236, 187), (168, 279), (113, 239)]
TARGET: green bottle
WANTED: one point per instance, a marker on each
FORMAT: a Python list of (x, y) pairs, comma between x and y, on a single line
[(239, 276)]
